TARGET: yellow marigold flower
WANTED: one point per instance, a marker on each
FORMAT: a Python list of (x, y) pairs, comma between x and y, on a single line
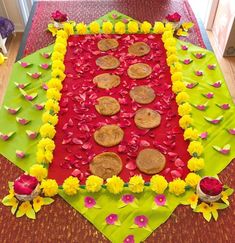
[(171, 50), (170, 42), (52, 105), (115, 184), (81, 28), (169, 27), (120, 28), (176, 67), (55, 83), (136, 184), (38, 171), (176, 77), (60, 48), (191, 134), (61, 40), (184, 109), (145, 27), (62, 34), (166, 35), (185, 121), (68, 28), (195, 148), (47, 117), (46, 144), (57, 56), (57, 73), (53, 93), (182, 97), (178, 86), (52, 29), (94, 183), (158, 28), (158, 184), (195, 164), (171, 59), (107, 27), (40, 158), (177, 186), (133, 27), (71, 186), (47, 131), (192, 179), (58, 64), (94, 27), (48, 156), (49, 187)]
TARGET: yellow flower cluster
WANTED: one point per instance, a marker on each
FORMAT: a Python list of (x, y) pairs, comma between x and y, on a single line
[(49, 187), (48, 118), (182, 97), (107, 27), (177, 76), (68, 28), (94, 27), (115, 184), (185, 121), (178, 87), (81, 28), (53, 93), (55, 83), (71, 185), (158, 28), (145, 27), (58, 64), (191, 134), (120, 28), (47, 131), (177, 186), (172, 59), (192, 179), (94, 183), (45, 149), (133, 27), (136, 184), (184, 109), (38, 171), (52, 106), (158, 184), (195, 148), (196, 164)]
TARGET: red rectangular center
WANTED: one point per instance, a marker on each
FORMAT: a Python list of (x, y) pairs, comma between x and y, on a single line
[(78, 118)]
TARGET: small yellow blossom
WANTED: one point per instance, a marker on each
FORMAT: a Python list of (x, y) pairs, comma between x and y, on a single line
[(195, 164), (171, 50), (187, 25), (168, 27), (193, 200), (120, 28), (81, 28), (182, 97), (63, 34), (158, 28), (52, 105), (184, 109), (49, 187), (191, 134), (192, 179), (145, 27), (107, 27), (58, 64), (37, 203), (178, 76), (52, 29), (46, 144), (185, 121), (171, 59), (26, 209), (48, 118), (71, 186), (94, 183), (195, 148), (38, 171), (205, 209), (57, 73), (60, 48), (55, 83), (178, 87), (68, 28), (115, 184), (47, 131), (158, 184), (133, 27), (166, 35), (176, 67), (53, 93), (177, 186), (94, 27), (136, 184)]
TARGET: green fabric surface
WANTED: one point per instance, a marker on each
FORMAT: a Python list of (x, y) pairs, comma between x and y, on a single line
[(13, 98)]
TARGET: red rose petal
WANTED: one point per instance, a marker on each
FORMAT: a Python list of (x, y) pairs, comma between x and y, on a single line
[(175, 174), (131, 166), (179, 163)]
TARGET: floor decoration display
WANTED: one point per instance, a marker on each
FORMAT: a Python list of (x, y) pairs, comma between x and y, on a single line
[(123, 121)]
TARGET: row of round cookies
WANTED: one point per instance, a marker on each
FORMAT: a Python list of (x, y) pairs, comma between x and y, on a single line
[(107, 164)]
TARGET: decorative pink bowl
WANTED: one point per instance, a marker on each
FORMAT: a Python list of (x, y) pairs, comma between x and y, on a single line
[(30, 197)]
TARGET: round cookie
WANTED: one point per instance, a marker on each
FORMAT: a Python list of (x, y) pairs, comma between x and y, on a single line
[(150, 161), (142, 94), (107, 44), (105, 165), (109, 135), (107, 106), (146, 118), (139, 70), (139, 49), (107, 62), (107, 80)]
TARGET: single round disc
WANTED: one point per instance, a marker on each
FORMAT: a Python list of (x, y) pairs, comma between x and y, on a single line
[(107, 62), (109, 135), (107, 80), (139, 71), (106, 165), (150, 161), (107, 44), (139, 49), (107, 106), (142, 94), (147, 118)]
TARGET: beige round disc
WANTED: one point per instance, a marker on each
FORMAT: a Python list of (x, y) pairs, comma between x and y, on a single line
[(139, 49), (139, 71), (109, 135), (147, 118), (107, 62), (107, 80), (107, 44), (142, 94), (107, 106), (150, 161), (105, 165)]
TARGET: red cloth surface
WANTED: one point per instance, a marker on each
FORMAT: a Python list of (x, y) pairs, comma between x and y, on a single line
[(87, 11), (78, 118)]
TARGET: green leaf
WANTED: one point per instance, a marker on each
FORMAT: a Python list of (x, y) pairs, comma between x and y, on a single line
[(13, 209), (222, 205), (19, 214), (10, 184), (207, 216), (47, 200), (229, 191), (134, 226), (215, 214), (31, 214)]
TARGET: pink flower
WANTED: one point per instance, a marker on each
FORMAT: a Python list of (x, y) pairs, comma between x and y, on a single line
[(175, 17), (129, 239), (184, 48), (25, 184), (141, 221), (59, 17), (89, 202), (111, 219), (128, 198), (211, 186), (160, 200)]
